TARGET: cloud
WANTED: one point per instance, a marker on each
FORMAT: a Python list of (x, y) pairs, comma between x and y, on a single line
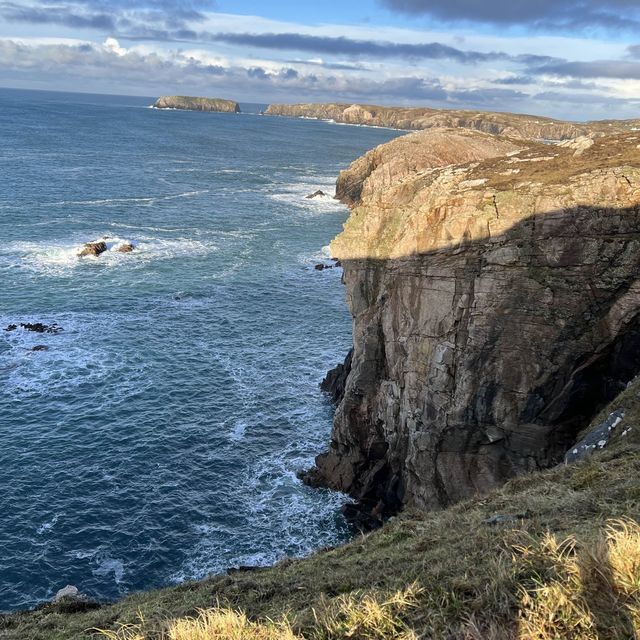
[(60, 15), (153, 25), (108, 15), (551, 14), (347, 46), (622, 69), (634, 51)]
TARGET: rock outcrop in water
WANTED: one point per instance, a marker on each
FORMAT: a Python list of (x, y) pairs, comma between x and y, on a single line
[(495, 292), (93, 249), (191, 103)]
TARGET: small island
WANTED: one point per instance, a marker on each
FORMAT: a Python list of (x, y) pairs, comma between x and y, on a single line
[(191, 103)]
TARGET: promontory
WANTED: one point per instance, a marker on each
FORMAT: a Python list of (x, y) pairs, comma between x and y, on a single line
[(493, 284), (190, 103), (417, 118)]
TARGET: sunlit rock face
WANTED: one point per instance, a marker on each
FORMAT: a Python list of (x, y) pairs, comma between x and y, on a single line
[(495, 293), (511, 124), (191, 103)]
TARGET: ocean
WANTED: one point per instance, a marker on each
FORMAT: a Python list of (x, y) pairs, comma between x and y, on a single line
[(156, 437)]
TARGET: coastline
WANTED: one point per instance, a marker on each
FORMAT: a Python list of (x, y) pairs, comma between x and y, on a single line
[(431, 535)]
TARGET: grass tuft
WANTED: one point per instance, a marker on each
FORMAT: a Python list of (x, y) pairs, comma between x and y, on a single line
[(588, 592)]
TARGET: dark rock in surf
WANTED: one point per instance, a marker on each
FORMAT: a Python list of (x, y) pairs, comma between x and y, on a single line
[(40, 347), (316, 194), (93, 249), (36, 327)]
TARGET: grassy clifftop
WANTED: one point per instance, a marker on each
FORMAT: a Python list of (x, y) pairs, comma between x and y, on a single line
[(553, 554)]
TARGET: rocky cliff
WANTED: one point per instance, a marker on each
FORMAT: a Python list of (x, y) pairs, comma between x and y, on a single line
[(495, 293), (511, 124), (190, 103)]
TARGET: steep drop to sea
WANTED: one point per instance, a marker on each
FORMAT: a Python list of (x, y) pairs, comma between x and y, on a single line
[(494, 289)]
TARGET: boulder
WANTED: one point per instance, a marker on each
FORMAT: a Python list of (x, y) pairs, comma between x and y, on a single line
[(93, 249), (596, 438), (125, 247), (70, 591)]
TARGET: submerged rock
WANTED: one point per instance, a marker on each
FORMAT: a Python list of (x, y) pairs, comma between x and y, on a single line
[(93, 249), (40, 347), (495, 292)]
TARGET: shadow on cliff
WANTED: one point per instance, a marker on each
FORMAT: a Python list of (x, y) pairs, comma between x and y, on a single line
[(481, 360)]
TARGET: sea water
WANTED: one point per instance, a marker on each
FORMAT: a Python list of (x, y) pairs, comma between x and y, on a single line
[(157, 437)]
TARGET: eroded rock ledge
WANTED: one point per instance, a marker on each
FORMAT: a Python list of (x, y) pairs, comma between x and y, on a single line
[(511, 124), (494, 287), (191, 103)]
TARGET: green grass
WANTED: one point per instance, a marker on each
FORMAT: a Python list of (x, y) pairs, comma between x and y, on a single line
[(466, 579)]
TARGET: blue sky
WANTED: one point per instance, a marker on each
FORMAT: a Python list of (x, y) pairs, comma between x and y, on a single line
[(577, 59)]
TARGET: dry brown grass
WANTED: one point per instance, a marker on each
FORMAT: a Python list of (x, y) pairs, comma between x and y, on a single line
[(589, 593), (356, 617)]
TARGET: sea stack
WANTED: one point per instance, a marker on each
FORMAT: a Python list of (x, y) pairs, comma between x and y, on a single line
[(495, 293), (190, 103)]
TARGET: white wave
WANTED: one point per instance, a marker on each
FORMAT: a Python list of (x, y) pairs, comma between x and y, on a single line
[(296, 193), (238, 431), (57, 257), (323, 255), (139, 200), (305, 520), (74, 357), (47, 526)]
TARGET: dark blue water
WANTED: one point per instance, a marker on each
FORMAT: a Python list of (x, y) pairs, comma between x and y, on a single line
[(158, 437)]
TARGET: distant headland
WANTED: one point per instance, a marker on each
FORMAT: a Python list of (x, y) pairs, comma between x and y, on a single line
[(418, 118), (191, 103)]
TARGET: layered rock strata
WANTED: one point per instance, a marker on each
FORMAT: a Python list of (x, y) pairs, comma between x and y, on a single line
[(511, 124), (495, 293), (191, 103)]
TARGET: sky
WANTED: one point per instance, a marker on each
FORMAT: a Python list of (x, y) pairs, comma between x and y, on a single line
[(572, 59)]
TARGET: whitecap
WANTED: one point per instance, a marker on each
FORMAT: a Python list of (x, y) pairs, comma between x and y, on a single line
[(48, 525)]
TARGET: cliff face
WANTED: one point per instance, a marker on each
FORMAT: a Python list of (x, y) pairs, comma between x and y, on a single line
[(196, 104), (510, 124), (496, 309)]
